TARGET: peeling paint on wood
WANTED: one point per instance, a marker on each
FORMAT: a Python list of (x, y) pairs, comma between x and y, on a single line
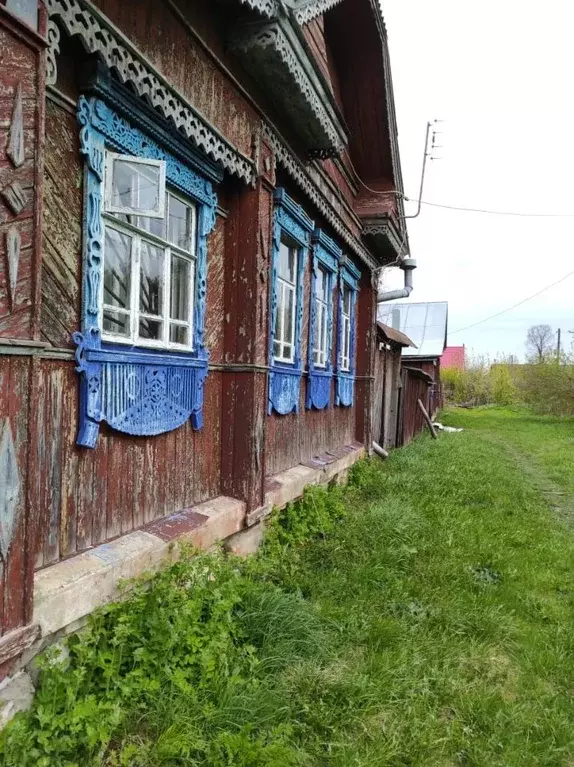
[(15, 150), (9, 488), (13, 245)]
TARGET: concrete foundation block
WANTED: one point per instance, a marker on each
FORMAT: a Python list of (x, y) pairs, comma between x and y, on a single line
[(16, 694), (246, 542)]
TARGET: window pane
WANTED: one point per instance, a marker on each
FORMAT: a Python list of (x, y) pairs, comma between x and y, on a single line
[(116, 322), (151, 279), (117, 269), (179, 335), (287, 266), (280, 311), (152, 225), (321, 285), (288, 330), (150, 329), (180, 224), (180, 287), (287, 351), (135, 185), (347, 301), (277, 349)]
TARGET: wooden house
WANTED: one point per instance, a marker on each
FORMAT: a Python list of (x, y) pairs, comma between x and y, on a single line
[(195, 196)]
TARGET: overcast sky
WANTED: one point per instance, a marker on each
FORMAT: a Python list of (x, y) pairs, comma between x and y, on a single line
[(500, 74)]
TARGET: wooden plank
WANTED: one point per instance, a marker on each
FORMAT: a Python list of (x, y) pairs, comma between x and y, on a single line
[(139, 497), (15, 567), (114, 488), (52, 469), (69, 458), (13, 643), (94, 507)]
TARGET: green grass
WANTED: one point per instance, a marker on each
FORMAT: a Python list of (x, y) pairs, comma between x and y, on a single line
[(423, 616)]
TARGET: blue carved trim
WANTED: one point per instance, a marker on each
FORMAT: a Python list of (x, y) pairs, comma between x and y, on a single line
[(328, 254), (134, 390), (285, 380), (144, 396), (345, 389), (351, 275)]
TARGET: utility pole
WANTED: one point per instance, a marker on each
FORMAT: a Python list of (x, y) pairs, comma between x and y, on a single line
[(559, 343)]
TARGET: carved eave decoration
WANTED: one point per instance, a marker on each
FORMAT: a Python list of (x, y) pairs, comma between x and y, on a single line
[(307, 10), (264, 7), (275, 55), (80, 18), (301, 175), (386, 238)]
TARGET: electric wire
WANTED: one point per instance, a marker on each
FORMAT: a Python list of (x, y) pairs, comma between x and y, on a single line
[(514, 306)]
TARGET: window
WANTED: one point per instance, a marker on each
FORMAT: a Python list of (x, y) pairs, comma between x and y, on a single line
[(346, 320), (149, 257), (321, 330), (285, 318)]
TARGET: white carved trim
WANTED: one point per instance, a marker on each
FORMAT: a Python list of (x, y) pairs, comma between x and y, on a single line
[(289, 162), (79, 17), (272, 35), (53, 35), (266, 7), (307, 11)]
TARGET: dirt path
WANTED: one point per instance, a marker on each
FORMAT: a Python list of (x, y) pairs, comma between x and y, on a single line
[(560, 501)]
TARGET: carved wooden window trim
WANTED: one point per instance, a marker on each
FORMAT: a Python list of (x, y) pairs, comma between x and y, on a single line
[(326, 257), (349, 277), (290, 224), (137, 390)]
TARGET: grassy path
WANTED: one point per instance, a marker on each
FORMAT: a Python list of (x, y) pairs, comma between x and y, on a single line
[(424, 616), (542, 447)]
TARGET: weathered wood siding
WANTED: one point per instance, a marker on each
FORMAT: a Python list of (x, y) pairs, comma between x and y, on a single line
[(186, 65), (85, 497), (297, 438), (62, 228), (14, 410), (21, 125)]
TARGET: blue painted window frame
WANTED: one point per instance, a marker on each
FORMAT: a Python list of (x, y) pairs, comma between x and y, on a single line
[(326, 254), (349, 276), (285, 378), (142, 392)]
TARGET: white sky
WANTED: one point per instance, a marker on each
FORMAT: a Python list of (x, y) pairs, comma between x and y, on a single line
[(500, 73)]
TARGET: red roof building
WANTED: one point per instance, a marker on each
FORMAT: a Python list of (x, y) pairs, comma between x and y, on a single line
[(453, 357)]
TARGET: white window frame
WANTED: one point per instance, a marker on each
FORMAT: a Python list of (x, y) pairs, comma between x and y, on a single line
[(111, 157), (285, 286), (346, 331), (138, 235), (321, 350)]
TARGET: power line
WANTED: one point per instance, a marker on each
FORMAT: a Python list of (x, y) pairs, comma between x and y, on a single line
[(492, 212), (510, 308)]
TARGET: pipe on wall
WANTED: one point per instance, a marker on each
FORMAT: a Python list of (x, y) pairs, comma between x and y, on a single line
[(408, 265)]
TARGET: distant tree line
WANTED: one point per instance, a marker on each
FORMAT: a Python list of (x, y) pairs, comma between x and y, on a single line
[(545, 383)]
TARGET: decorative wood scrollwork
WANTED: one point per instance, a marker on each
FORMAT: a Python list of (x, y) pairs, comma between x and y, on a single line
[(135, 391)]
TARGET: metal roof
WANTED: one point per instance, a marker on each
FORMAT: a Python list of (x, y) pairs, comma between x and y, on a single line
[(425, 324), (390, 334)]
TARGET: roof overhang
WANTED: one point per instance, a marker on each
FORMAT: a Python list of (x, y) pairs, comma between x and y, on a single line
[(274, 52), (384, 237), (394, 336), (418, 373)]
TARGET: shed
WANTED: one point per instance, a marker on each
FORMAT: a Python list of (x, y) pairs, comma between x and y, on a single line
[(387, 394), (427, 325)]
